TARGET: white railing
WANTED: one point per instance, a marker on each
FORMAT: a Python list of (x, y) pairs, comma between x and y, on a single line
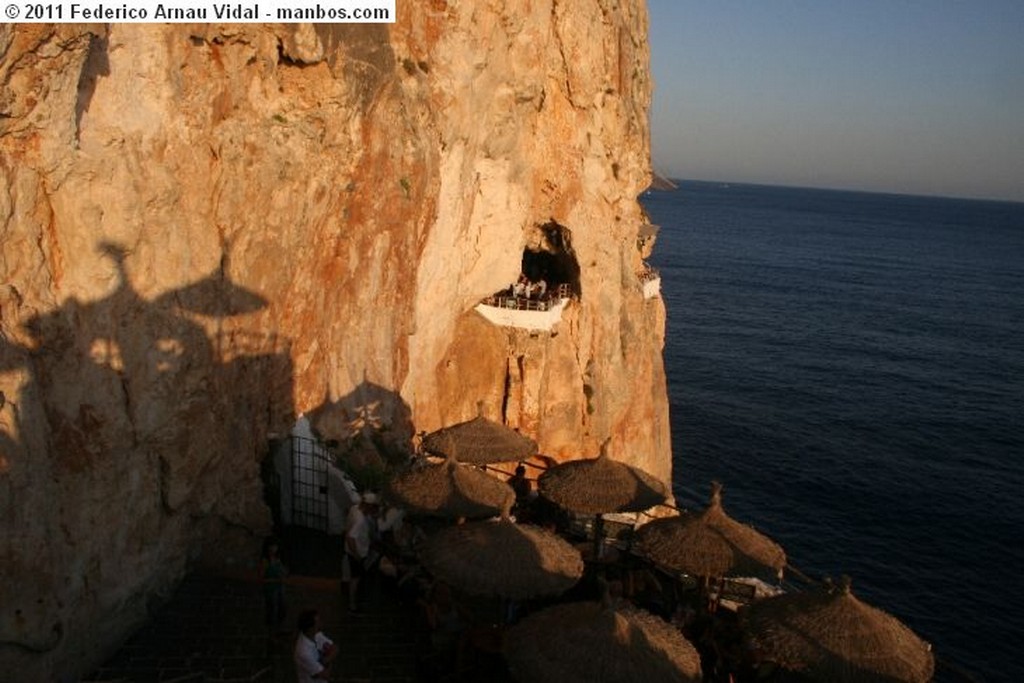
[(550, 299), (520, 311)]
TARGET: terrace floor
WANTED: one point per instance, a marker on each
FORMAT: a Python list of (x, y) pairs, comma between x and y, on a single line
[(212, 630)]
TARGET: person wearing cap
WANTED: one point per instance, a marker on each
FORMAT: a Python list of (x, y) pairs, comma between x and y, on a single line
[(360, 533)]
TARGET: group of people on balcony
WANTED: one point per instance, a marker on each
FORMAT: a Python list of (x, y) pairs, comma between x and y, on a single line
[(527, 289), (647, 273)]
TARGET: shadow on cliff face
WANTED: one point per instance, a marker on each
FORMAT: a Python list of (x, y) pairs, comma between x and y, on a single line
[(177, 389), (134, 439), (7, 420), (372, 425), (363, 53), (97, 63)]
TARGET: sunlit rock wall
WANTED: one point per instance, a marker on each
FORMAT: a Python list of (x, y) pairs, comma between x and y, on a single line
[(207, 230)]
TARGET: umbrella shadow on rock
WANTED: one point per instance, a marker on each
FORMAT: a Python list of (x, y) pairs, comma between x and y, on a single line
[(214, 295), (372, 425), (125, 387), (187, 391)]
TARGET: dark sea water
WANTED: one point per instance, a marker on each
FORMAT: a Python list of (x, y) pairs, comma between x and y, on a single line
[(851, 367)]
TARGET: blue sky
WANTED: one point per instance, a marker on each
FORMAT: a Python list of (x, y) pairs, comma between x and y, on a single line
[(896, 96)]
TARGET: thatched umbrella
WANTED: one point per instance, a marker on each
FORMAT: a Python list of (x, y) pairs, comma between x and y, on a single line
[(710, 543), (599, 485), (451, 491), (827, 634), (591, 642), (480, 441), (502, 559)]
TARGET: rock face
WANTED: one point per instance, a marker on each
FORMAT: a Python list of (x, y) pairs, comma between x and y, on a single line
[(209, 229)]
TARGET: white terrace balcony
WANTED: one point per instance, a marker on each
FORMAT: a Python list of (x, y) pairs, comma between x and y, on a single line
[(538, 314), (650, 280)]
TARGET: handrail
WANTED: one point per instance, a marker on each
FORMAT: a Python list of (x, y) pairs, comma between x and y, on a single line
[(519, 303), (552, 298)]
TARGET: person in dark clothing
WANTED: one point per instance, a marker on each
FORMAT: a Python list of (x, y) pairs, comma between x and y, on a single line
[(272, 574), (521, 485)]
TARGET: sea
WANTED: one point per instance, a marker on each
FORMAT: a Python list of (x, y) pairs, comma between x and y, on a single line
[(850, 366)]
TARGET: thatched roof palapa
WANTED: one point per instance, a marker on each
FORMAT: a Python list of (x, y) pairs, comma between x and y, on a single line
[(451, 491), (709, 543), (502, 559), (592, 643), (601, 485), (680, 544), (480, 441), (827, 634)]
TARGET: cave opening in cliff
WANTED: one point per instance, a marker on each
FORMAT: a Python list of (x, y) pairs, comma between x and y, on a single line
[(549, 256)]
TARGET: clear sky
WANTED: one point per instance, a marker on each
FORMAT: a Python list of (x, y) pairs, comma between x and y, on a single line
[(906, 96)]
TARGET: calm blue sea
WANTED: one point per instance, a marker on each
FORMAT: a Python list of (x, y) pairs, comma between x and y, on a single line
[(851, 367)]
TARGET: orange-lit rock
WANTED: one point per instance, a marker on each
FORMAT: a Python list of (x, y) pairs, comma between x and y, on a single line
[(207, 230)]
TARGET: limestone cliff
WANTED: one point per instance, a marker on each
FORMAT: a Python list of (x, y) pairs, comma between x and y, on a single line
[(207, 230)]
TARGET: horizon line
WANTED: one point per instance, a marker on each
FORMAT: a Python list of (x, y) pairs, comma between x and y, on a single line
[(829, 188)]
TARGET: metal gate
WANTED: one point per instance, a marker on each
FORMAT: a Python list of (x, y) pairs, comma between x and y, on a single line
[(310, 459)]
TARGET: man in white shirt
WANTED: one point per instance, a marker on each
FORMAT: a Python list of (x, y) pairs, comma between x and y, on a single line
[(314, 652), (360, 535)]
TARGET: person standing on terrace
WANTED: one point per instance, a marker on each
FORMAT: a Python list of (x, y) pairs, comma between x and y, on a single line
[(272, 574), (360, 544), (521, 286)]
